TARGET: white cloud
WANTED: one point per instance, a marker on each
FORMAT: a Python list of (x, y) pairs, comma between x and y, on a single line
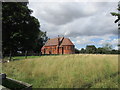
[(116, 48), (113, 42), (95, 40), (75, 19), (81, 21)]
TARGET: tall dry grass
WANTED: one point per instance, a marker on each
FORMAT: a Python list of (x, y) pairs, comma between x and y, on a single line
[(66, 71)]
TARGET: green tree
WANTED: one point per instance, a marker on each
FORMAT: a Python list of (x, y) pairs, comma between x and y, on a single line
[(20, 30), (101, 50), (40, 41), (114, 51), (117, 14), (107, 47), (82, 50), (77, 51), (90, 49)]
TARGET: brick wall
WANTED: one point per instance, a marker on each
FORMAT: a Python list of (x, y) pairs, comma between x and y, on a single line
[(68, 49)]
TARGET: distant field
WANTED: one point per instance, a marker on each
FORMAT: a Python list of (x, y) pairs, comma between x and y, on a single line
[(66, 71)]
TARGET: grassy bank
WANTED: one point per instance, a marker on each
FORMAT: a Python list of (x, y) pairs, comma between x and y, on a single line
[(66, 71)]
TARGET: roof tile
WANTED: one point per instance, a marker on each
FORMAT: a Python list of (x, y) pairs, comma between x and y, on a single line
[(54, 41)]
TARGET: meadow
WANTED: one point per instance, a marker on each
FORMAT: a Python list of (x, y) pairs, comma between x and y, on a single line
[(66, 71)]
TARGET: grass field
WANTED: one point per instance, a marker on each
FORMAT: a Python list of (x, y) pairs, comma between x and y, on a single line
[(66, 71), (20, 57)]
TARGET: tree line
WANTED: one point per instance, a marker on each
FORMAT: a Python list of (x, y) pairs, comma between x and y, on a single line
[(91, 49), (20, 30)]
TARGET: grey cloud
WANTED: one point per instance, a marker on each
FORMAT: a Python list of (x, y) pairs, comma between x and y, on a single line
[(63, 13), (96, 25), (76, 19)]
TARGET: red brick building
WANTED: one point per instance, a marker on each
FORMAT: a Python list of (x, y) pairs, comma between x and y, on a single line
[(59, 45)]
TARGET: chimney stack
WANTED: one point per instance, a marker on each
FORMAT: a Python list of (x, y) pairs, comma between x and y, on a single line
[(58, 40)]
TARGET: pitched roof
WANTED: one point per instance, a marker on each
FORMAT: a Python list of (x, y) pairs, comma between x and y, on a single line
[(62, 40), (66, 41)]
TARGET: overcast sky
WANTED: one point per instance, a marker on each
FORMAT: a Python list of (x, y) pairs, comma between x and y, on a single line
[(85, 23)]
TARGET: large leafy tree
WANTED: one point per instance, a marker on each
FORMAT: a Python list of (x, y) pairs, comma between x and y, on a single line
[(40, 41), (20, 30)]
